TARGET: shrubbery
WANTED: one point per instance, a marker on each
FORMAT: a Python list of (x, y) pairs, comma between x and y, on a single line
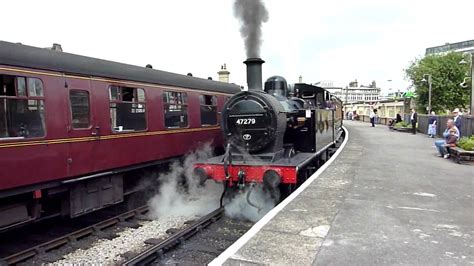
[(466, 143), (402, 124)]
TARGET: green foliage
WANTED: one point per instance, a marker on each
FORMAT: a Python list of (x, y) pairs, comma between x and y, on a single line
[(402, 124), (446, 75), (466, 143)]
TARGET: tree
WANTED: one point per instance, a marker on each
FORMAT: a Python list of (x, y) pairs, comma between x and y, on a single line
[(446, 75)]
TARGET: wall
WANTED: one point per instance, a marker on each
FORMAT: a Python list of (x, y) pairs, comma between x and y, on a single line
[(467, 128), (384, 109)]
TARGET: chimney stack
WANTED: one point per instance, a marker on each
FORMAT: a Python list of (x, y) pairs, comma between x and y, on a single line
[(224, 74), (254, 73), (57, 47)]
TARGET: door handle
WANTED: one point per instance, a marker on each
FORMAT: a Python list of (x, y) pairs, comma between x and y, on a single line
[(95, 131)]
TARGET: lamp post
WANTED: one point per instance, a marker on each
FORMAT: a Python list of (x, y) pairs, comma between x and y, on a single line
[(467, 54), (389, 87), (429, 90)]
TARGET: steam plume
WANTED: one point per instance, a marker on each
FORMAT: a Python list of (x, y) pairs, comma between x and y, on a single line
[(175, 200), (238, 207), (251, 13)]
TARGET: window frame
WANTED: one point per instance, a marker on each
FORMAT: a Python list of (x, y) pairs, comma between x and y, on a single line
[(90, 110), (27, 97), (165, 104), (214, 105), (137, 102), (28, 88)]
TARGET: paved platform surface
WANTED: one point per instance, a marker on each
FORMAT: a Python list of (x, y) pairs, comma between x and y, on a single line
[(387, 199)]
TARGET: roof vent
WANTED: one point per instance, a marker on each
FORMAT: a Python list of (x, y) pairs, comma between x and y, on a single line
[(57, 47)]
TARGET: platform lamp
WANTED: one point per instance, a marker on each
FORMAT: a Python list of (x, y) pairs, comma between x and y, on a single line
[(389, 87), (427, 77), (463, 84)]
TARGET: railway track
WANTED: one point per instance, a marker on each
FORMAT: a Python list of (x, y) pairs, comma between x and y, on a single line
[(97, 228), (158, 250)]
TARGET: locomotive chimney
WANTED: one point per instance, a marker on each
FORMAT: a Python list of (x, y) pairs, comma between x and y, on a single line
[(254, 73)]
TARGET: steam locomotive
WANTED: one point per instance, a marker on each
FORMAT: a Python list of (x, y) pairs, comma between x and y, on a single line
[(277, 135)]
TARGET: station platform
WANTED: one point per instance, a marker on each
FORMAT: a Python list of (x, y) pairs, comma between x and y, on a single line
[(384, 198)]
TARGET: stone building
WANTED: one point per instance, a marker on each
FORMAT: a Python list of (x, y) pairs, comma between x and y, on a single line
[(353, 93)]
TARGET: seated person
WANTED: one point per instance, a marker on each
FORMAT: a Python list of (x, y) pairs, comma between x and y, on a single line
[(451, 140), (399, 118), (440, 144)]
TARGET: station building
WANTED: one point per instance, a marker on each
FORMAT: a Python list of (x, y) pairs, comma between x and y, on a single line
[(461, 47), (353, 92)]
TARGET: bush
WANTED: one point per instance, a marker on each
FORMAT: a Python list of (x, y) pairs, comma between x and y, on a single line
[(466, 143), (402, 124)]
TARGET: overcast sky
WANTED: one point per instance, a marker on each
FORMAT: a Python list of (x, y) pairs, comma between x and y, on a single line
[(319, 40)]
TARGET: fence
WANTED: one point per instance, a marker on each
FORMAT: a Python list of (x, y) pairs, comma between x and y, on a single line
[(467, 128)]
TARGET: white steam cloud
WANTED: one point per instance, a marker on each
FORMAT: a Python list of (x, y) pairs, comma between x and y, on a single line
[(239, 208), (174, 199)]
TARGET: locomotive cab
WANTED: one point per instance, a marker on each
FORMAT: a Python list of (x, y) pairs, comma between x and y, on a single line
[(277, 87)]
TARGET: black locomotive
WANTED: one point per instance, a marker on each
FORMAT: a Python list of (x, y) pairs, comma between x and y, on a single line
[(277, 135)]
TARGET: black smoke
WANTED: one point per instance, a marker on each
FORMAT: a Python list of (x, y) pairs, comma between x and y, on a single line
[(251, 13)]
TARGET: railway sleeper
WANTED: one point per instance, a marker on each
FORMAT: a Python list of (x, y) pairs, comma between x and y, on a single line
[(172, 231), (131, 224), (154, 241), (207, 249)]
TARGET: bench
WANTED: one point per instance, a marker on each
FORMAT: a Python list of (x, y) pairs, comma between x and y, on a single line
[(402, 129), (457, 153)]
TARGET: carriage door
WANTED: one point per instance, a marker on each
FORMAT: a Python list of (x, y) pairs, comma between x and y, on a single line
[(83, 133)]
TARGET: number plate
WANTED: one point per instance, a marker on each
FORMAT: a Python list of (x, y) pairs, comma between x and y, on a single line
[(245, 121)]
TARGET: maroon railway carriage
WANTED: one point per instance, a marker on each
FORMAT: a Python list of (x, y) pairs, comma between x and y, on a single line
[(71, 127)]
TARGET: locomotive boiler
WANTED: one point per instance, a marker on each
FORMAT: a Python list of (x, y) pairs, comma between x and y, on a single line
[(276, 134)]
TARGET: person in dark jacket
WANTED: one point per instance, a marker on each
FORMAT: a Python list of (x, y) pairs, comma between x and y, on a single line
[(413, 120), (399, 118)]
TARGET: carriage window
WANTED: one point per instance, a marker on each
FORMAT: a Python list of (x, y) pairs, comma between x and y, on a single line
[(35, 87), (208, 110), (176, 109), (21, 86), (127, 109), (21, 107), (80, 110)]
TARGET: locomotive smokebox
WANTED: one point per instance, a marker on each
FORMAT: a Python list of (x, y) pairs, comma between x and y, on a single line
[(254, 73)]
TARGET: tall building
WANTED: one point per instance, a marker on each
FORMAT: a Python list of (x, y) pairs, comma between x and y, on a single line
[(465, 46)]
